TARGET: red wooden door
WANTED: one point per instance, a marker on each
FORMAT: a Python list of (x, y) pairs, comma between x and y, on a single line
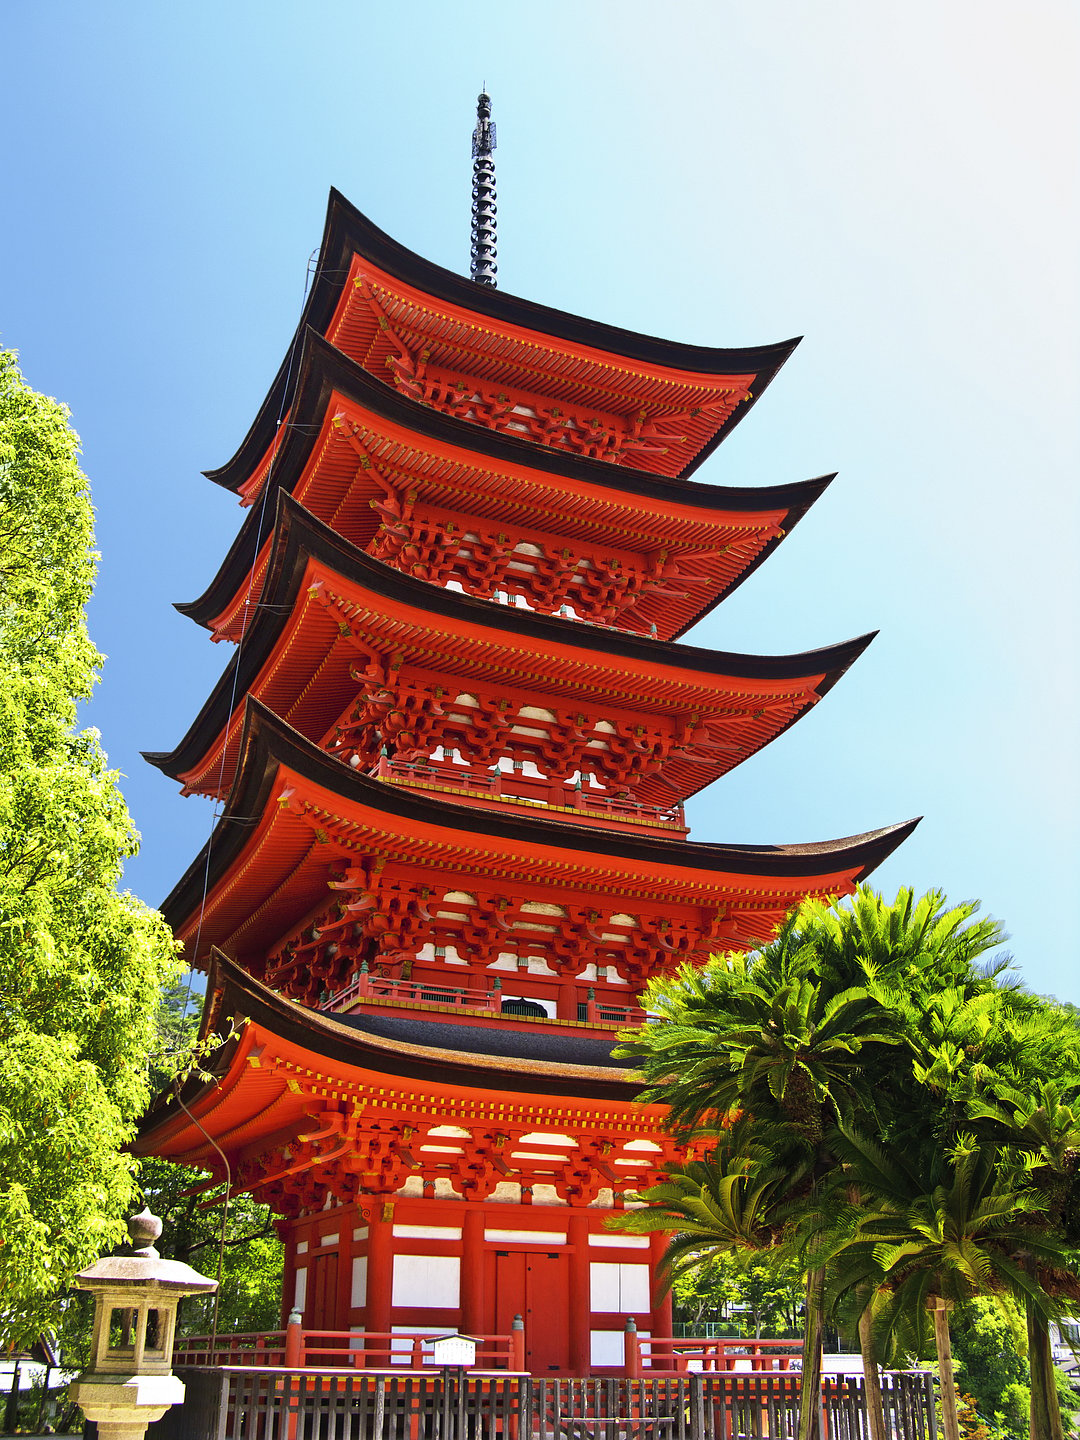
[(322, 1301), (535, 1285)]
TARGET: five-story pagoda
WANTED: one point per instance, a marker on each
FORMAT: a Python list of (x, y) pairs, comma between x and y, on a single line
[(453, 746)]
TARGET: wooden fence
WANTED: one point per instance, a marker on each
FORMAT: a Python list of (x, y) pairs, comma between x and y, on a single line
[(274, 1403)]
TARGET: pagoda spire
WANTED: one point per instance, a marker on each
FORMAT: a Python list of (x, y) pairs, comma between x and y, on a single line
[(483, 268)]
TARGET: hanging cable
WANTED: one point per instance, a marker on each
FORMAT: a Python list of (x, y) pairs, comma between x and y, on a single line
[(245, 612)]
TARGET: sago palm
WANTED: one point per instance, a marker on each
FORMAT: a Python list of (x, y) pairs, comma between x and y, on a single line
[(1043, 1126), (939, 1233)]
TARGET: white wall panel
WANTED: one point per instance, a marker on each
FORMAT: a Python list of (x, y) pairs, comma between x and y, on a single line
[(359, 1280), (428, 1281), (606, 1347), (623, 1289)]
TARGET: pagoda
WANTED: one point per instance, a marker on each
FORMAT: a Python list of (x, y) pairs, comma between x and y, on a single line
[(452, 748)]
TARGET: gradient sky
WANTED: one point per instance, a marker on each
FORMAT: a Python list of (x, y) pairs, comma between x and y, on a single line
[(896, 183)]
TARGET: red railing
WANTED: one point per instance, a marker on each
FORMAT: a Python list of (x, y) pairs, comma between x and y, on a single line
[(412, 1350), (418, 992), (531, 791), (265, 1347), (366, 986), (297, 1348), (690, 1355)]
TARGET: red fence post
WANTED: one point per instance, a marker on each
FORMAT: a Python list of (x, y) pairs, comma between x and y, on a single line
[(294, 1341), (517, 1345), (631, 1350), (294, 1360)]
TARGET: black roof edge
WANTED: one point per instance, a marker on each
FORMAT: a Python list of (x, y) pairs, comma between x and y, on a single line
[(323, 369), (347, 230), (300, 535), (268, 742)]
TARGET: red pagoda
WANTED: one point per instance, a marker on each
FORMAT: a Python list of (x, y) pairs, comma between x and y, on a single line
[(453, 745)]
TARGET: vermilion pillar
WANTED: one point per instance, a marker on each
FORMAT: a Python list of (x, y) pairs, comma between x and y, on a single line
[(577, 1235), (568, 1002), (343, 1299), (661, 1312), (472, 1272), (380, 1268)]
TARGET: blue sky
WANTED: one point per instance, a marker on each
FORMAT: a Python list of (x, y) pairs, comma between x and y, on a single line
[(898, 184)]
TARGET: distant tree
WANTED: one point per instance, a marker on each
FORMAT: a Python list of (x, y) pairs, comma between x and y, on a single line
[(81, 965), (989, 1351), (196, 1226), (759, 1297), (251, 1252)]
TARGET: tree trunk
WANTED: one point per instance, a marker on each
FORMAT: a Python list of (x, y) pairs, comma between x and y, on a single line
[(11, 1410), (1045, 1408), (875, 1410), (810, 1384), (950, 1422)]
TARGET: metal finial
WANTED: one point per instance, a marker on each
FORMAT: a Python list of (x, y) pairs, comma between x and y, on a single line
[(483, 268)]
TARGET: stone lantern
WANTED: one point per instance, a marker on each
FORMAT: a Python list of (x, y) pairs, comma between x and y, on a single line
[(129, 1381)]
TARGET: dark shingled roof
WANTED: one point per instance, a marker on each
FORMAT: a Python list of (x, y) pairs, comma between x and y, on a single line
[(323, 370), (560, 1047), (299, 535), (348, 233)]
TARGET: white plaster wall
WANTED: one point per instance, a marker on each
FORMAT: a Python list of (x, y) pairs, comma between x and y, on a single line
[(427, 1281), (619, 1287), (359, 1280)]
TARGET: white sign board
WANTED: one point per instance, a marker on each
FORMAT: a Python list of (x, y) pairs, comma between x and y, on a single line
[(454, 1350)]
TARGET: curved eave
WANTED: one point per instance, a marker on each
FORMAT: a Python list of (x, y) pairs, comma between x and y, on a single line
[(300, 539), (324, 371), (347, 232), (232, 994), (269, 746)]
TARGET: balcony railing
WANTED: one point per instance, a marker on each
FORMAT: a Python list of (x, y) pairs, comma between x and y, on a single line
[(365, 986), (528, 790), (692, 1355), (299, 1348)]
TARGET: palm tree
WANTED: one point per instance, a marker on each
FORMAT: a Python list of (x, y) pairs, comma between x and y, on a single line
[(783, 1039), (727, 1203), (805, 1034), (1044, 1127), (938, 1232)]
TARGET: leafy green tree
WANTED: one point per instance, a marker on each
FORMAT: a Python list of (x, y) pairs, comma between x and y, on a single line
[(882, 1016), (759, 1297), (251, 1253), (783, 1039), (81, 965), (239, 1243), (988, 1348)]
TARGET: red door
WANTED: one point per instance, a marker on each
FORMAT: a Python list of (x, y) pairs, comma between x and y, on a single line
[(535, 1285), (323, 1298)]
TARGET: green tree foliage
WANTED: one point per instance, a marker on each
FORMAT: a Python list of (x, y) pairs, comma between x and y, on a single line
[(81, 965), (875, 1044), (989, 1348), (759, 1297), (252, 1255)]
